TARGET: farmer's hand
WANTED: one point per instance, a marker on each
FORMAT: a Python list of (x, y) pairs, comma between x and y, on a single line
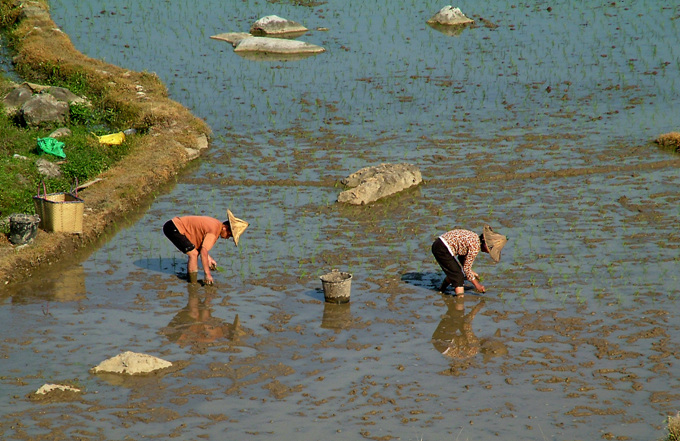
[(212, 263), (209, 280), (478, 286)]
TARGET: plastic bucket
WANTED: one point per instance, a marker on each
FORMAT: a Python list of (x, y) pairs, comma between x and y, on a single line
[(23, 228), (336, 286)]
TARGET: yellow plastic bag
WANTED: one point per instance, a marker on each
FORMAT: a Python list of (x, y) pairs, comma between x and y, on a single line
[(113, 138)]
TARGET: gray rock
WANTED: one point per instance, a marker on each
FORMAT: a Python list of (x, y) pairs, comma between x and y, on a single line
[(44, 108), (60, 133), (65, 95), (276, 46), (373, 183), (48, 169), (48, 388), (450, 16), (275, 25), (17, 98)]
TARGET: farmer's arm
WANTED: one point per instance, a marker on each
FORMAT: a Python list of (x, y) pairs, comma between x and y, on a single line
[(471, 275), (206, 260)]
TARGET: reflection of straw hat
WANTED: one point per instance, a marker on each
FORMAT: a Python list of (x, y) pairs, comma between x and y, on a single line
[(494, 242), (237, 226)]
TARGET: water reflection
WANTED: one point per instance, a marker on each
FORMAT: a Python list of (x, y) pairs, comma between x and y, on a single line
[(451, 31), (336, 316), (454, 336), (195, 325), (66, 284)]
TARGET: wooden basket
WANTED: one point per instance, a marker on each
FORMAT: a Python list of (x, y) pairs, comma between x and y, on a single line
[(60, 212)]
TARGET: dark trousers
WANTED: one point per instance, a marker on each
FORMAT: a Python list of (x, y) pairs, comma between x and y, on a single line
[(179, 240), (453, 268)]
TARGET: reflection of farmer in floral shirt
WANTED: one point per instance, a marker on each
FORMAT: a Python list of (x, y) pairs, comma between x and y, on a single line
[(454, 337)]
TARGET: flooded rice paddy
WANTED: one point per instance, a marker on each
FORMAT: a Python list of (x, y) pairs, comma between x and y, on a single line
[(538, 121)]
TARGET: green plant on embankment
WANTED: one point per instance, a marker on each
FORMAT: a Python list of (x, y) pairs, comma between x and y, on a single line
[(673, 428), (85, 157)]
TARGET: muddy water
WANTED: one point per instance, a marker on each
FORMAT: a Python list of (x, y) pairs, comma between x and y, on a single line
[(539, 126)]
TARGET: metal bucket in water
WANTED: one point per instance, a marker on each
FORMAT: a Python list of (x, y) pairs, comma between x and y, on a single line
[(336, 286)]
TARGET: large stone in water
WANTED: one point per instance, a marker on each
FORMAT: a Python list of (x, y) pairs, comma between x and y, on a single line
[(275, 25), (373, 183), (131, 363), (450, 16), (276, 46)]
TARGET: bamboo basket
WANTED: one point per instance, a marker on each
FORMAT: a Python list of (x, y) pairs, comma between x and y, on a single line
[(60, 212)]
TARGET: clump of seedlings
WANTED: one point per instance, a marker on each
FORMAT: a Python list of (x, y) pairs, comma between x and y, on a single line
[(669, 140)]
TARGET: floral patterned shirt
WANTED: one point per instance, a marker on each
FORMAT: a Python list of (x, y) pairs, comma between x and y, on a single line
[(463, 243)]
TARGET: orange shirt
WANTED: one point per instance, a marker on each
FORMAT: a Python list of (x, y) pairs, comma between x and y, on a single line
[(198, 228)]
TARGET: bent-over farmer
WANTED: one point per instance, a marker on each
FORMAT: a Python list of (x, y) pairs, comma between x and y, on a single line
[(196, 235), (455, 251)]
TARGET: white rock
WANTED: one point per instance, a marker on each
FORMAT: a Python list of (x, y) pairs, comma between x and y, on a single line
[(273, 24), (450, 16), (231, 37), (276, 46), (47, 388), (131, 363)]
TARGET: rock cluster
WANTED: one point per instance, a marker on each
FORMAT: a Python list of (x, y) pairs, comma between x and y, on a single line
[(38, 105), (262, 38), (372, 183)]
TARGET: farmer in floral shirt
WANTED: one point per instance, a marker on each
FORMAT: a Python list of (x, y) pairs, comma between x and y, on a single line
[(456, 250)]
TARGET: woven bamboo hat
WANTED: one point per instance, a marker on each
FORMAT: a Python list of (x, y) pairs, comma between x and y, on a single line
[(494, 242), (238, 226)]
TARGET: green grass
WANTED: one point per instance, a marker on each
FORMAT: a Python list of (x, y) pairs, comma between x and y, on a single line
[(85, 157)]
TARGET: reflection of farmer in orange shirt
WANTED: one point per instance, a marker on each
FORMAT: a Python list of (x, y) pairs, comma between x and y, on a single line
[(195, 323), (454, 337)]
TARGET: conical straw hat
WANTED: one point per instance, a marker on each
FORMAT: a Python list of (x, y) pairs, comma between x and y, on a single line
[(494, 242), (238, 226)]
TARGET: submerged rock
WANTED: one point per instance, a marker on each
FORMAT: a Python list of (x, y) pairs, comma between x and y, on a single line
[(276, 46), (231, 37), (275, 25), (131, 363), (450, 16), (373, 183)]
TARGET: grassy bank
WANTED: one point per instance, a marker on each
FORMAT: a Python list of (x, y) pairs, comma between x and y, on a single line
[(120, 99)]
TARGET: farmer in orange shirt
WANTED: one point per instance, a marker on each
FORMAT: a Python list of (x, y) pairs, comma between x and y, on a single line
[(196, 235)]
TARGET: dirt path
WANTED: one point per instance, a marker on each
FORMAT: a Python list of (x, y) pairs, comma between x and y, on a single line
[(158, 156)]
